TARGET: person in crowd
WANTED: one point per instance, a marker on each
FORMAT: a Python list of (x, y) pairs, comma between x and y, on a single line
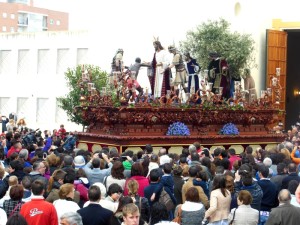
[(220, 200), (154, 163), (117, 218), (10, 125), (21, 124), (81, 184), (270, 193), (166, 182), (244, 181), (96, 174), (232, 157), (141, 202), (14, 204), (67, 164), (281, 174), (71, 218), (202, 181), (131, 215), (3, 217), (292, 175), (154, 185), (26, 182), (244, 214), (62, 132), (117, 175), (55, 181), (39, 169), (17, 147), (192, 210), (15, 168), (12, 181), (192, 174), (159, 215), (114, 193), (48, 139), (65, 202), (178, 183), (94, 213), (137, 174), (53, 162), (285, 213), (16, 219), (38, 211), (293, 184), (3, 121), (112, 206)]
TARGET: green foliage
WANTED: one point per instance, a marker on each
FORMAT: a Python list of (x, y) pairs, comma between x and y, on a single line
[(71, 100), (215, 36)]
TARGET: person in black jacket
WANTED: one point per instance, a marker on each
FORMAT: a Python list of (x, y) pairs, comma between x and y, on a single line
[(15, 169), (94, 213)]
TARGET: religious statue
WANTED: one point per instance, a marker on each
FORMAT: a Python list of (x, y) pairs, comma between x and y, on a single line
[(160, 77), (192, 68), (219, 74), (117, 62), (181, 74), (249, 86)]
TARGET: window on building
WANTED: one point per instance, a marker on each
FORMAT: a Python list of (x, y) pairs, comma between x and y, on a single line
[(6, 62), (43, 110), (24, 62), (12, 29), (5, 105), (23, 106), (44, 65), (82, 56), (63, 60), (4, 15), (58, 22), (12, 16), (51, 21), (4, 28)]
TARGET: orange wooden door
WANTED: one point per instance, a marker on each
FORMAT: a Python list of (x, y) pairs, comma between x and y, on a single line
[(277, 58)]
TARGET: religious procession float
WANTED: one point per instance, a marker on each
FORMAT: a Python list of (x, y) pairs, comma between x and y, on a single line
[(118, 116)]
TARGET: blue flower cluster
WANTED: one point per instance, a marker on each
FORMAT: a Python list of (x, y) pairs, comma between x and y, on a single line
[(178, 129), (229, 129)]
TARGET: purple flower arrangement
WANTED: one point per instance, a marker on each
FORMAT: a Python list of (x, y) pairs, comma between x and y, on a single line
[(229, 129), (178, 129)]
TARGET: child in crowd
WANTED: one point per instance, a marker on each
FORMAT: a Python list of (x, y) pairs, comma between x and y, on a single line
[(166, 182), (202, 181)]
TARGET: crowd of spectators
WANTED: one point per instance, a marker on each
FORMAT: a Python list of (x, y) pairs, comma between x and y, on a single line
[(45, 179)]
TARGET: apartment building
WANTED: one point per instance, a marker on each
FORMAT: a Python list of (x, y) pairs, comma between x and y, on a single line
[(22, 16)]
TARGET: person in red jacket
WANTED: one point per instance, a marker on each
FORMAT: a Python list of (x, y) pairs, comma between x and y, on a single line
[(17, 147), (38, 211), (62, 132)]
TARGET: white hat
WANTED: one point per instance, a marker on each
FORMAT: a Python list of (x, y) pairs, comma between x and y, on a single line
[(79, 162)]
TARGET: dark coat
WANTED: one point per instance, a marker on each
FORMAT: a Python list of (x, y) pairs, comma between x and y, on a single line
[(95, 214), (178, 183), (284, 214), (286, 180)]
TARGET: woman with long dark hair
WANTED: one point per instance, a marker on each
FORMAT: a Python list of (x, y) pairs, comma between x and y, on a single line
[(220, 200), (117, 175)]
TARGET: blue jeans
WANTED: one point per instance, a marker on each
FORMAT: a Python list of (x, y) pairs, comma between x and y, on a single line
[(263, 217), (220, 222)]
